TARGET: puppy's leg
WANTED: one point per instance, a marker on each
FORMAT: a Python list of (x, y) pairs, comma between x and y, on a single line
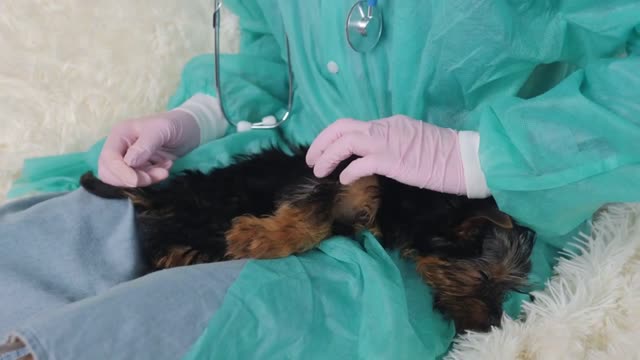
[(301, 221), (290, 230), (310, 213), (357, 206)]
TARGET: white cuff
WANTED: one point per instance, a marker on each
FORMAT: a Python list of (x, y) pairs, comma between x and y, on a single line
[(208, 114), (473, 175)]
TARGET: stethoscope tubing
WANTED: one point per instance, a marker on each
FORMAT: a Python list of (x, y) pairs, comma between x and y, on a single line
[(371, 4)]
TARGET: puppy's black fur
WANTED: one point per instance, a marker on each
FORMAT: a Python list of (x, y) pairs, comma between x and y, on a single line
[(270, 205)]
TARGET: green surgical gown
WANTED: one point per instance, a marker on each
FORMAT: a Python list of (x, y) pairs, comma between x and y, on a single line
[(553, 88)]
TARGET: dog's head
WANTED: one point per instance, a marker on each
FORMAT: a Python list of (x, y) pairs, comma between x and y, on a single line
[(472, 289)]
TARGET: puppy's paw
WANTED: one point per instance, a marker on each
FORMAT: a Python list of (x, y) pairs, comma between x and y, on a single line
[(180, 256), (258, 238)]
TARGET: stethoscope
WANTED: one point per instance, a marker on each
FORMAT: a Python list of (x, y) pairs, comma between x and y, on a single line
[(363, 31)]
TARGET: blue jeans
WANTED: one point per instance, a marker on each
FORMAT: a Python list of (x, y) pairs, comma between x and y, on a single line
[(71, 286)]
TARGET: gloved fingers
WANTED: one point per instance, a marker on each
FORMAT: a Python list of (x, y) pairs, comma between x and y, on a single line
[(164, 155), (158, 174), (346, 146), (111, 166), (151, 176), (113, 170), (165, 164), (106, 175), (359, 168), (332, 133), (143, 148), (117, 173), (159, 159)]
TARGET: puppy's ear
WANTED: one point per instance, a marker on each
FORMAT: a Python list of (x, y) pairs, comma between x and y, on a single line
[(470, 227), (495, 216)]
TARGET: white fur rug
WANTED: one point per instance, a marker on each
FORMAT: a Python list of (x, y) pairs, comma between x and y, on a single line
[(70, 69)]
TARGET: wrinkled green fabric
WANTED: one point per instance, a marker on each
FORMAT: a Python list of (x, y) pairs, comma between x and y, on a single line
[(342, 300), (379, 327), (557, 111)]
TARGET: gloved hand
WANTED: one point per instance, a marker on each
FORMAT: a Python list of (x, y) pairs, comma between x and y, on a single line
[(410, 151), (140, 152)]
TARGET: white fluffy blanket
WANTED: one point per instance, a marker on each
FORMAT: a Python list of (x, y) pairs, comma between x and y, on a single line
[(70, 69)]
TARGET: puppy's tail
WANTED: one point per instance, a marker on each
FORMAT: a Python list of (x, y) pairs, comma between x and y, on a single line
[(98, 188)]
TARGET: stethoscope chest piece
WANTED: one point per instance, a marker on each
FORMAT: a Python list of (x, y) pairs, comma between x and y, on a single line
[(364, 26)]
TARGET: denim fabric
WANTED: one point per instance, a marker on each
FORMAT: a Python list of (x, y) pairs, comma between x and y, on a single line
[(71, 286)]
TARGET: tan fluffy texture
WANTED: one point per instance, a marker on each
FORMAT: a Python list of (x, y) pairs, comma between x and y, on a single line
[(70, 69)]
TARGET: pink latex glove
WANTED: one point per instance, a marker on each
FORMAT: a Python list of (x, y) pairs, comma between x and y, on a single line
[(140, 152), (409, 151)]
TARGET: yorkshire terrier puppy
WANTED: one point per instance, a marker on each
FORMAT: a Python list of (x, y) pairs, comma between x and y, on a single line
[(270, 205)]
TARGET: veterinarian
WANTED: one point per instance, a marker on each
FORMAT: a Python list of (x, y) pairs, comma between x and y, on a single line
[(536, 103)]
